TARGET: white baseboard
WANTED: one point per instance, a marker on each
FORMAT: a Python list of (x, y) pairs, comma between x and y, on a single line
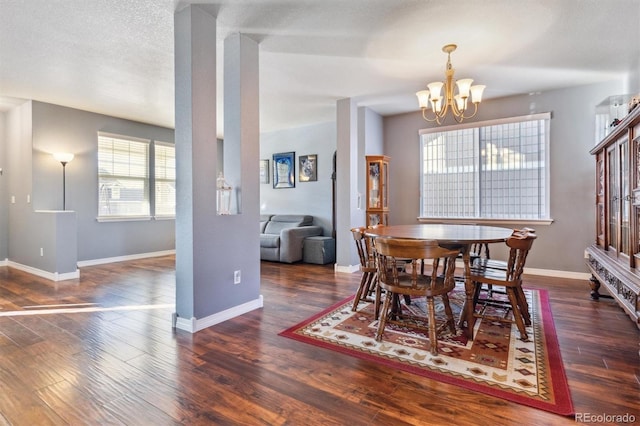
[(193, 325), (349, 269), (125, 258), (531, 271), (4, 262), (53, 276), (558, 274)]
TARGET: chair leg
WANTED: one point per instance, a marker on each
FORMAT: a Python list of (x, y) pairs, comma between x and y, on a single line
[(524, 306), (364, 289), (369, 285), (363, 282), (517, 316), (383, 315), (376, 304), (449, 313), (433, 337)]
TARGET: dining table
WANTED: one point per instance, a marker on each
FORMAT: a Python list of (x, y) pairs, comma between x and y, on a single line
[(460, 236)]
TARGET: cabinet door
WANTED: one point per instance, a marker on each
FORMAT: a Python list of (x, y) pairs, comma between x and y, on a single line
[(385, 185), (613, 197), (600, 200), (373, 185), (625, 198), (619, 198)]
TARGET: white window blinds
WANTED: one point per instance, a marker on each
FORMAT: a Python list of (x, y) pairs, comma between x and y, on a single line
[(165, 179), (493, 171), (123, 176)]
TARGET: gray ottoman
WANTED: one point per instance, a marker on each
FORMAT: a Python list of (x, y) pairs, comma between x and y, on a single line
[(320, 250)]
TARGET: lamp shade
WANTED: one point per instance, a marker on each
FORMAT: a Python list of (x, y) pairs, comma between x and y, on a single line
[(463, 87), (63, 157), (476, 92), (423, 98)]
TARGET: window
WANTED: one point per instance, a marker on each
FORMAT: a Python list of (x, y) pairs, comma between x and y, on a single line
[(165, 179), (124, 178), (494, 170)]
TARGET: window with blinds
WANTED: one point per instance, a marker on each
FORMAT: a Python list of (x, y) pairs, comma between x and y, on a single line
[(123, 177), (165, 179), (492, 170)]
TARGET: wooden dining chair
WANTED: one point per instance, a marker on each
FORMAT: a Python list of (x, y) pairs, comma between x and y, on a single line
[(508, 276), (367, 287), (398, 278)]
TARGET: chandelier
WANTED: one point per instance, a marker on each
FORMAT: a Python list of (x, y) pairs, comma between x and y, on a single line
[(458, 103)]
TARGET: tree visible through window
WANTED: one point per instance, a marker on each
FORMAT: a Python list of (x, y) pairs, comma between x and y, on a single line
[(495, 170)]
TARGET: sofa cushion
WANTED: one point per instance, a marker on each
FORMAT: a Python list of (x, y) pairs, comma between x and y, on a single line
[(269, 240), (282, 221), (264, 218)]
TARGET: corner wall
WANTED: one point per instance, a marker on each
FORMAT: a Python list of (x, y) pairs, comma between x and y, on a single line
[(312, 198), (61, 129), (4, 208), (560, 246)]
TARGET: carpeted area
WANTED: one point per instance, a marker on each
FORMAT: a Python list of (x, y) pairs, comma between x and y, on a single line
[(496, 362)]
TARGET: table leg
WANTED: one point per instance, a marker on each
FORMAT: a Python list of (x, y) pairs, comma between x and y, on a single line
[(467, 320)]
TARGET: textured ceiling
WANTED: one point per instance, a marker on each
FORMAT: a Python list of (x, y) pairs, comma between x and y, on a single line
[(116, 56)]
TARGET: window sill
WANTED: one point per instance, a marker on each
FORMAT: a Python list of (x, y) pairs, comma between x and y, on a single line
[(477, 221), (123, 219)]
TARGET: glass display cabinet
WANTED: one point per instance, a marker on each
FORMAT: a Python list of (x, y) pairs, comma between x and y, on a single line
[(614, 258), (377, 196)]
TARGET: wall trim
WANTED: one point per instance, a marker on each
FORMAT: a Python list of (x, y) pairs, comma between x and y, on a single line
[(558, 274), (349, 269), (53, 276), (4, 262), (193, 325), (125, 258), (531, 271)]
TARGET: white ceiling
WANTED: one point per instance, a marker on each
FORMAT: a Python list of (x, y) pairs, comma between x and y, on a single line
[(116, 56)]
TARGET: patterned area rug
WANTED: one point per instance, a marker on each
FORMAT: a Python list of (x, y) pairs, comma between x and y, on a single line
[(495, 362)]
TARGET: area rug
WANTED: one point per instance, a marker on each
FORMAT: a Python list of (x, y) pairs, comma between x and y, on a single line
[(496, 362)]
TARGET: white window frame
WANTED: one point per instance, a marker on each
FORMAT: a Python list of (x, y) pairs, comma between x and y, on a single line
[(477, 216), (146, 203), (163, 179)]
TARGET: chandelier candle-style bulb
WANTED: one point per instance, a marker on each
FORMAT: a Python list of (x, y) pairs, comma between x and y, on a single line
[(456, 102)]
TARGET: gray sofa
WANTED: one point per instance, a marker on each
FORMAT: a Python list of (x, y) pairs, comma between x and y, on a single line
[(282, 236)]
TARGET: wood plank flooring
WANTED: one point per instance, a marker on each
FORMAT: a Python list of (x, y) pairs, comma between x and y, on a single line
[(118, 361)]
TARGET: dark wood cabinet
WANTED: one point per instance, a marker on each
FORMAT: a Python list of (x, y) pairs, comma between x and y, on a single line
[(614, 258)]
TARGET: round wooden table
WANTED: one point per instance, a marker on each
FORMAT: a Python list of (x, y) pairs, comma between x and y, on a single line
[(459, 236)]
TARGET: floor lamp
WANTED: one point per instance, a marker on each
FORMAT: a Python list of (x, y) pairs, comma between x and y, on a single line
[(63, 158)]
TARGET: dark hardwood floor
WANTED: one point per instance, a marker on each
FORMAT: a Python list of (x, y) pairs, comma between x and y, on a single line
[(118, 361)]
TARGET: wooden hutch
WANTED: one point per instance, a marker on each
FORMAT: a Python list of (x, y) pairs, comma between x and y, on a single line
[(614, 259), (377, 190)]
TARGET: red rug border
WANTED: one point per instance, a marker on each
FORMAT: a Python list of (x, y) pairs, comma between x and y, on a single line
[(564, 405)]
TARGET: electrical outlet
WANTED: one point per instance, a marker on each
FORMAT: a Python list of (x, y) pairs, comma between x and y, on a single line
[(41, 251), (236, 277)]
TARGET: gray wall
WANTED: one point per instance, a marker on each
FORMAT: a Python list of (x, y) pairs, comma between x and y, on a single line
[(560, 246), (312, 198), (22, 244), (56, 129), (4, 207)]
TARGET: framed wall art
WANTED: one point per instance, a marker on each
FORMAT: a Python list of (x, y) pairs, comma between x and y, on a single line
[(264, 171), (308, 168), (284, 169)]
